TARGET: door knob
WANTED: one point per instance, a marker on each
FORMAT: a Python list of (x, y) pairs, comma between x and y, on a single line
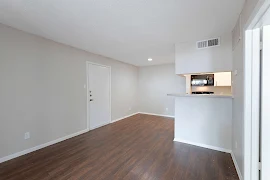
[(91, 99)]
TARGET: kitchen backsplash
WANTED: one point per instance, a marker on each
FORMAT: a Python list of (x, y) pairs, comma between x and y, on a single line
[(216, 89)]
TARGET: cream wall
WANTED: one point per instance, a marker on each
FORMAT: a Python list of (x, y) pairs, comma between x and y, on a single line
[(204, 121), (42, 89), (155, 82), (189, 59)]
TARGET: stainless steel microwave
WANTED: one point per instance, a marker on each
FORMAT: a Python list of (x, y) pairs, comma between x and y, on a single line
[(202, 80)]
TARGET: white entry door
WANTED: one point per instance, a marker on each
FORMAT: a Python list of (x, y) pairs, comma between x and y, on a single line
[(99, 110)]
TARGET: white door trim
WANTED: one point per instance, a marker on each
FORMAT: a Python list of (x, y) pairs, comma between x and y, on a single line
[(255, 128), (87, 94), (247, 105), (252, 103), (251, 87), (265, 145)]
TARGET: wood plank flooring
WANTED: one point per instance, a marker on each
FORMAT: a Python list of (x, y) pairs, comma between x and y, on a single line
[(140, 147)]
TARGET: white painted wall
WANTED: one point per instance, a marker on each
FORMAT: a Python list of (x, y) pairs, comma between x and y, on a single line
[(42, 89), (238, 106), (155, 82), (266, 18), (204, 121), (189, 59), (238, 90)]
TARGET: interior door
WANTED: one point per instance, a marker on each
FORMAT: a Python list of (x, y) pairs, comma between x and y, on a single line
[(99, 95)]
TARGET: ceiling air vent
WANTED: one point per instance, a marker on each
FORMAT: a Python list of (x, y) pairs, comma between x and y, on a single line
[(208, 43)]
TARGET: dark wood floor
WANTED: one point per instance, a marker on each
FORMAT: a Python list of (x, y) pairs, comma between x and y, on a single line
[(140, 147)]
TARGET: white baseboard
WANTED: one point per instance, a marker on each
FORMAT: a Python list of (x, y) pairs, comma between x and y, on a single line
[(203, 145), (124, 117), (236, 166), (163, 115), (15, 155), (100, 126)]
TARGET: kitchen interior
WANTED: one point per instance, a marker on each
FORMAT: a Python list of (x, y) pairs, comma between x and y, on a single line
[(219, 83)]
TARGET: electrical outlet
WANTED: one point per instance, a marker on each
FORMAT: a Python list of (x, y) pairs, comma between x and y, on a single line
[(236, 145), (167, 109), (84, 86), (130, 108), (27, 135)]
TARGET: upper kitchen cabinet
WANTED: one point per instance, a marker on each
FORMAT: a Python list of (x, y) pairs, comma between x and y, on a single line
[(223, 79), (190, 59)]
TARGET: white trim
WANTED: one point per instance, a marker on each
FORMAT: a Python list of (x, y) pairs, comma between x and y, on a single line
[(250, 154), (124, 117), (265, 115), (87, 93), (163, 115), (15, 155), (236, 166), (255, 105), (203, 145), (247, 105), (251, 103), (256, 15), (95, 127)]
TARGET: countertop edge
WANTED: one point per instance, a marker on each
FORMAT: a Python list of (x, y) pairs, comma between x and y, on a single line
[(200, 96)]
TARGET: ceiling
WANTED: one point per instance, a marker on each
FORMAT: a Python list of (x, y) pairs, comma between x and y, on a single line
[(130, 31)]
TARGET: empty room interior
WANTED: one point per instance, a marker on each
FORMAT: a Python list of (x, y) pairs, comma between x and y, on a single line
[(141, 90)]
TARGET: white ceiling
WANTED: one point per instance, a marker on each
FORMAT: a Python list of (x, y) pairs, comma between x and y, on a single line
[(125, 30)]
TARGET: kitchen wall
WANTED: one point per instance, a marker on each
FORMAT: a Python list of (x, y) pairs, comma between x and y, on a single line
[(238, 88), (155, 82), (189, 59), (204, 121), (42, 89)]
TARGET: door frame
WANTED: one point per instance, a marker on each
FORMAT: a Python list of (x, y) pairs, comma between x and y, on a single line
[(87, 93), (265, 115), (251, 104), (251, 87)]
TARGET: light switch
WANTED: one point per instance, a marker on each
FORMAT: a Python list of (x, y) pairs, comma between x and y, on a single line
[(235, 72), (27, 135)]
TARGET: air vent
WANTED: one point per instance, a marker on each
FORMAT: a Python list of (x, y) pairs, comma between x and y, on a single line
[(213, 42), (202, 44), (208, 43)]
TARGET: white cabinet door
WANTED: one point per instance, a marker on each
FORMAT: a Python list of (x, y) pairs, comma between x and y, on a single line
[(223, 79)]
